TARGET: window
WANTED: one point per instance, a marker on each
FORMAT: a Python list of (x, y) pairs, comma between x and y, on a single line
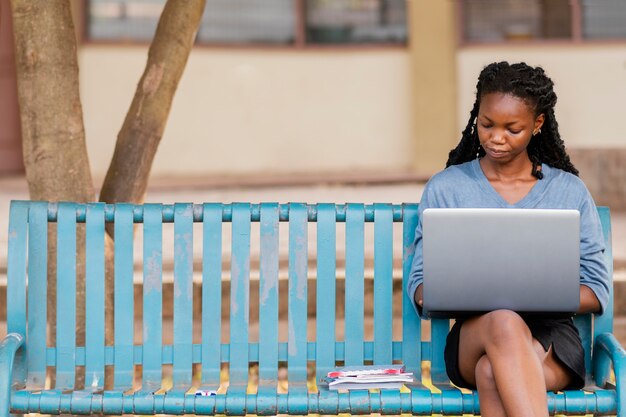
[(248, 22), (349, 21), (604, 19), (486, 21), (259, 22), (131, 20)]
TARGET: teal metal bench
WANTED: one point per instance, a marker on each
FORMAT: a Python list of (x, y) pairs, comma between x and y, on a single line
[(25, 358)]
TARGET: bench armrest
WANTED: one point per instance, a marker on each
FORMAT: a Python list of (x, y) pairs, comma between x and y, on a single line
[(8, 348), (607, 350)]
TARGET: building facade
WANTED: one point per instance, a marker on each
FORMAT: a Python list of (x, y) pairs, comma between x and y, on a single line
[(338, 95)]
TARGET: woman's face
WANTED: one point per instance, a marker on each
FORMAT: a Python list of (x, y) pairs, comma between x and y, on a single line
[(505, 126)]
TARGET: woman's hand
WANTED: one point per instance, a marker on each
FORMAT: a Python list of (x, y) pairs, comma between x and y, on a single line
[(588, 301), (418, 296)]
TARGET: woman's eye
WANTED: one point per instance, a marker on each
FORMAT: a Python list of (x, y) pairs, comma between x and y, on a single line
[(485, 126), (515, 132)]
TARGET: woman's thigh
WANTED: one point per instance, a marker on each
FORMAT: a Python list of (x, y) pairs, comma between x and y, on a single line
[(557, 375), (479, 332)]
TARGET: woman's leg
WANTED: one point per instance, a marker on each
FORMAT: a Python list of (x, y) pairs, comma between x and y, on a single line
[(490, 402), (555, 375), (511, 370)]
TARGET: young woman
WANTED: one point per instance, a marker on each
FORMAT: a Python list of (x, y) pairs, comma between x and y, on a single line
[(511, 156)]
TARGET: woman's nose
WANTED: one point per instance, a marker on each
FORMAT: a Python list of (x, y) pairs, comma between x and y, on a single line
[(498, 137)]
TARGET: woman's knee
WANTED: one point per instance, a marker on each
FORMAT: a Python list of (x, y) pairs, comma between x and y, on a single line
[(505, 327), (484, 374)]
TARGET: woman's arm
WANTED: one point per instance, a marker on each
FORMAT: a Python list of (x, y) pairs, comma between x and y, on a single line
[(588, 301), (419, 299)]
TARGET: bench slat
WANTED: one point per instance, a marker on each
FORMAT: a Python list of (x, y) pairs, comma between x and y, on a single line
[(66, 296), (123, 300), (268, 299), (95, 294), (326, 289), (211, 295), (297, 298), (355, 271), (583, 323), (604, 323), (183, 296), (359, 401), (16, 280), (37, 291), (439, 329), (601, 323), (239, 297), (152, 297), (383, 283), (411, 324)]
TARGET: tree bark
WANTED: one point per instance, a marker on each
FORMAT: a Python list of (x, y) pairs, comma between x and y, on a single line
[(137, 142), (53, 135)]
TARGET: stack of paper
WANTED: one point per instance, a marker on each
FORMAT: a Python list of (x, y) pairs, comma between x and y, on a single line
[(368, 377)]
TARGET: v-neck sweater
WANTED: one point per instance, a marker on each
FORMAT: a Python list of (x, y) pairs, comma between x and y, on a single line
[(466, 186)]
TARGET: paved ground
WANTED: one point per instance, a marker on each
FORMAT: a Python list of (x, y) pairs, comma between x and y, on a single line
[(394, 193)]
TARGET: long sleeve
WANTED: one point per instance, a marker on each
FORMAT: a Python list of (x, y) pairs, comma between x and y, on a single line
[(593, 269), (416, 276)]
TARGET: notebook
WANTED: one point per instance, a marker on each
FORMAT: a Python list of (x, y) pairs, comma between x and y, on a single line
[(391, 376), (478, 260)]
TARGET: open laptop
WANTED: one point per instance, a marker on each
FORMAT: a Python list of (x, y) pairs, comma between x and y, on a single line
[(478, 260)]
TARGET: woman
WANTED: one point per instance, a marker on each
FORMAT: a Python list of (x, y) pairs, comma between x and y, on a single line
[(511, 156)]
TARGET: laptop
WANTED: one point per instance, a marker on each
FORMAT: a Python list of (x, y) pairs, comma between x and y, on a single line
[(479, 260)]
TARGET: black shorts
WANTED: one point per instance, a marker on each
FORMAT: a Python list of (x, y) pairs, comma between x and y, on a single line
[(561, 334)]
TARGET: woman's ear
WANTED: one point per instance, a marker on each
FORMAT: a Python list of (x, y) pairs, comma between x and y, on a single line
[(538, 123)]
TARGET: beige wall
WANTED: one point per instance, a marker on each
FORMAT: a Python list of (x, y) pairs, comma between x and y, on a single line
[(261, 111), (590, 82), (244, 111)]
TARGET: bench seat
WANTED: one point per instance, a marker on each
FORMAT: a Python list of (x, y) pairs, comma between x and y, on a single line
[(418, 401)]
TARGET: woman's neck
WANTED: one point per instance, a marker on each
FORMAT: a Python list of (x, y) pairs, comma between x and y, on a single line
[(518, 169), (513, 180)]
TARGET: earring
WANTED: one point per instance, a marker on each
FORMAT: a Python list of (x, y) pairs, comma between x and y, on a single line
[(536, 132)]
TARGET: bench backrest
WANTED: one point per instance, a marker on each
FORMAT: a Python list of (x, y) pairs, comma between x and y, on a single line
[(309, 244)]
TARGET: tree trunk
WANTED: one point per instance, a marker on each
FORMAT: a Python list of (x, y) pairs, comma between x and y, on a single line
[(53, 135), (137, 141)]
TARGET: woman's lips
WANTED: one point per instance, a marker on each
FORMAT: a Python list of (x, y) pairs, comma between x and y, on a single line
[(496, 153)]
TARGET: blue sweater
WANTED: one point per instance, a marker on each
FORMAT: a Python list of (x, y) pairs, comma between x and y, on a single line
[(465, 186)]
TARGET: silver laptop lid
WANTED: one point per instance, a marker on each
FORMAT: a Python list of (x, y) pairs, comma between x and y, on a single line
[(476, 260)]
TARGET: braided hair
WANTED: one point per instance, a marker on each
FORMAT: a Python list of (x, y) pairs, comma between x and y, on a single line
[(534, 87)]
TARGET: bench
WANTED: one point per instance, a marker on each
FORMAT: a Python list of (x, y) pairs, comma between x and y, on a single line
[(152, 377)]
